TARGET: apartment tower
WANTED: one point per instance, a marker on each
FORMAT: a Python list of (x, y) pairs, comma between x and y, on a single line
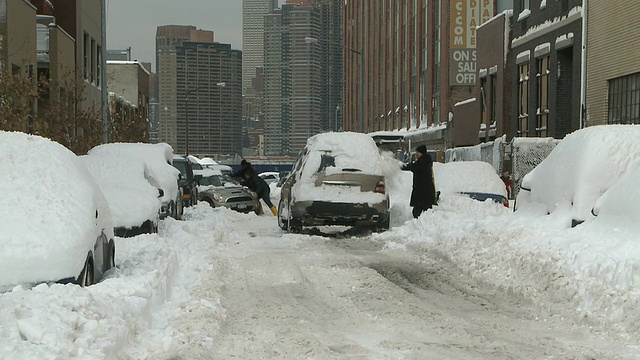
[(303, 73), (253, 12)]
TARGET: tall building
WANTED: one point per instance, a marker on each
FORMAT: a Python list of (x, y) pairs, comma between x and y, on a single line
[(168, 37), (209, 80), (199, 92), (253, 12), (302, 73)]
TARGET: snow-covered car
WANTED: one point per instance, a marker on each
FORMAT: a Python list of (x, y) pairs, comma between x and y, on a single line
[(582, 167), (132, 192), (270, 176), (337, 179), (219, 190), (55, 223), (158, 157), (475, 179)]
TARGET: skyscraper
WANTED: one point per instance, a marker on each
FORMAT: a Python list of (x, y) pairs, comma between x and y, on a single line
[(253, 12), (200, 92), (302, 78)]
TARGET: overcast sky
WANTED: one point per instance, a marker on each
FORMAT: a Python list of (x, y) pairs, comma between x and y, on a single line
[(133, 23)]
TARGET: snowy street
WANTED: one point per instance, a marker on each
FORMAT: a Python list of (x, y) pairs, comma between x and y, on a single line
[(468, 279), (301, 297)]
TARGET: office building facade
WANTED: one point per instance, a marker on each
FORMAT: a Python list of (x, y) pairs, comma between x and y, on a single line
[(253, 12), (302, 78), (209, 93)]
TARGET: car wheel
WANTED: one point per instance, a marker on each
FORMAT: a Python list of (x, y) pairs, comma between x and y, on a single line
[(153, 226), (382, 226), (112, 255), (295, 226), (86, 276), (210, 203), (284, 224)]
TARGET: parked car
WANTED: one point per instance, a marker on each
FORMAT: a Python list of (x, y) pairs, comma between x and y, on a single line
[(132, 192), (582, 167), (477, 180), (337, 180), (158, 158), (270, 177), (187, 180), (55, 223), (219, 190)]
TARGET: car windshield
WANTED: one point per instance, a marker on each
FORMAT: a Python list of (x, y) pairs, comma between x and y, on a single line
[(326, 161), (182, 167), (217, 180)]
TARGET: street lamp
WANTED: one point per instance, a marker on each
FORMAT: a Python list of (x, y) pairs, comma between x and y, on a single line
[(186, 112), (313, 40)]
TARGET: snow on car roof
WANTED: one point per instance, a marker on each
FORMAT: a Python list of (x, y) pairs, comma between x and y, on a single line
[(349, 149), (468, 176), (582, 167), (208, 172), (130, 195), (157, 156), (47, 210), (208, 161)]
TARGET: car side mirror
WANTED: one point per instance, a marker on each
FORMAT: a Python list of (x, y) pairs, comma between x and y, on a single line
[(160, 193)]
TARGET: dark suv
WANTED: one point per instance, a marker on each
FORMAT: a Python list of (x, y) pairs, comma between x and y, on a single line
[(187, 180)]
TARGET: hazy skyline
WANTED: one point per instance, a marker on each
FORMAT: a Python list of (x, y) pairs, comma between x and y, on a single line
[(133, 23)]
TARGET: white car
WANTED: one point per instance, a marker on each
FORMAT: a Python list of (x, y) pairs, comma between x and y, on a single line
[(158, 157), (55, 223), (582, 167), (477, 180), (132, 191)]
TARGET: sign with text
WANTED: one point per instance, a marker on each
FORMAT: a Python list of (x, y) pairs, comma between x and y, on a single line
[(466, 15)]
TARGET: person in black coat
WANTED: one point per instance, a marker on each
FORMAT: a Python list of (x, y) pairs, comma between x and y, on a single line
[(423, 195), (249, 178)]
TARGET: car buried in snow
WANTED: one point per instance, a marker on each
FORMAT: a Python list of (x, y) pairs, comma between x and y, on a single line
[(55, 223), (336, 180)]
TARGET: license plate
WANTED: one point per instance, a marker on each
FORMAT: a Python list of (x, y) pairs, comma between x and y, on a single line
[(242, 206)]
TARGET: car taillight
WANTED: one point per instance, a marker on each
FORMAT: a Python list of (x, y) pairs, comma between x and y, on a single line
[(380, 187), (186, 196)]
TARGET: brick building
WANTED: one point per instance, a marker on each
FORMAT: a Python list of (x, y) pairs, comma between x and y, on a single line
[(546, 48), (613, 66)]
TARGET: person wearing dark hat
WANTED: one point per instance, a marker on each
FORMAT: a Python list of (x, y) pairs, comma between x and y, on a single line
[(423, 195), (249, 178)]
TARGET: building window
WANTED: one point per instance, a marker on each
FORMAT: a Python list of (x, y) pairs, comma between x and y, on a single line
[(93, 61), (494, 99), (542, 112), (99, 65), (624, 100), (85, 56), (523, 100), (483, 102), (524, 4)]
